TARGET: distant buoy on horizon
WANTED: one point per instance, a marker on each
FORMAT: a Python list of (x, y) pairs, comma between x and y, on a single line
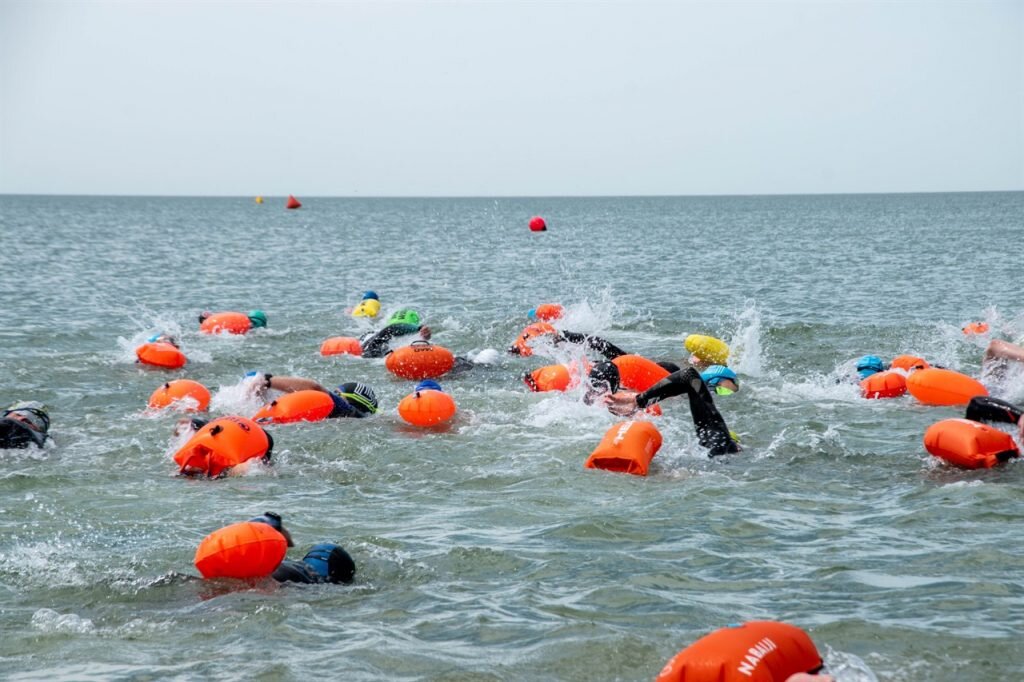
[(292, 202), (537, 224), (259, 199)]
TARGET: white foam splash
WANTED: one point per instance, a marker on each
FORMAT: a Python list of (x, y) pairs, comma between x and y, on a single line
[(49, 621)]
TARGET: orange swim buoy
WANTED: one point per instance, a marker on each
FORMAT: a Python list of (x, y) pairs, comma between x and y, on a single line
[(242, 550), (969, 444), (975, 328), (420, 360), (223, 443), (628, 447), (530, 332), (341, 345), (934, 386), (637, 373), (549, 378), (230, 322), (548, 312), (886, 384), (758, 651), (292, 202), (297, 406), (909, 363), (160, 354), (427, 408), (182, 394)]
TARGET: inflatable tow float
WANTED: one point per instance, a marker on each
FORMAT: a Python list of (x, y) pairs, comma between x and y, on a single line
[(522, 345), (182, 394), (969, 444), (297, 406), (888, 384), (627, 448), (341, 345), (428, 405), (757, 651), (420, 360), (222, 444), (242, 550), (161, 354), (934, 386)]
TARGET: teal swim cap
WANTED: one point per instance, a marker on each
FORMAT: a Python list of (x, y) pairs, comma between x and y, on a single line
[(258, 318), (405, 316)]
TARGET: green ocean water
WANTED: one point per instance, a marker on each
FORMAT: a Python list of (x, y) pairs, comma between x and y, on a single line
[(487, 552)]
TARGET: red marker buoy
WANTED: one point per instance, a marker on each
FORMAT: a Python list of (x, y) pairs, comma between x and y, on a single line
[(537, 224), (292, 202)]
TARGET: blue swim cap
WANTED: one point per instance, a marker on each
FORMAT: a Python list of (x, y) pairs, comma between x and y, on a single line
[(369, 293), (331, 562), (714, 374), (868, 365), (428, 385), (532, 314)]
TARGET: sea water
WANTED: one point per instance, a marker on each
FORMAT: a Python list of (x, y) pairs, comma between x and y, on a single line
[(486, 551)]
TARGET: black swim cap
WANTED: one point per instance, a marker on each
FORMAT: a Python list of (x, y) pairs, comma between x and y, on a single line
[(274, 521), (33, 412), (603, 378)]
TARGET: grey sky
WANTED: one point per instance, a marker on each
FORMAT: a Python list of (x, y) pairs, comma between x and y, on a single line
[(505, 98)]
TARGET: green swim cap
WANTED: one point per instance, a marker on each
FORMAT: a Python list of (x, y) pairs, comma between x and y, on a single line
[(405, 316), (258, 318)]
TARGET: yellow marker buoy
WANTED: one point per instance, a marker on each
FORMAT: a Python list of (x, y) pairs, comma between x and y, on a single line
[(259, 200)]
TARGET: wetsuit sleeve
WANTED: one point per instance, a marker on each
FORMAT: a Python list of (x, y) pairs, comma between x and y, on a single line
[(294, 572), (987, 409), (377, 345), (342, 408), (712, 431), (606, 348)]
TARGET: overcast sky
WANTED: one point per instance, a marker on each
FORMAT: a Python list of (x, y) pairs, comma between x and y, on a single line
[(510, 98)]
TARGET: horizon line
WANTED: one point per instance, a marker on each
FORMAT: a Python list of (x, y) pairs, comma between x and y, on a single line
[(503, 196)]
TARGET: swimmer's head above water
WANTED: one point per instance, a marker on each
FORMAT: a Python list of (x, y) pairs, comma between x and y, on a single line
[(868, 365), (721, 379)]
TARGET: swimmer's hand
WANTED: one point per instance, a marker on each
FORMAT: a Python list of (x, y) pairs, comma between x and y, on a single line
[(807, 677), (622, 403), (425, 333)]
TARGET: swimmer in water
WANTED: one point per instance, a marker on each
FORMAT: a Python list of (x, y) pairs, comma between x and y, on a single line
[(257, 318), (1000, 352), (985, 408), (163, 337), (402, 323), (605, 348), (351, 399), (868, 365), (712, 431), (24, 423), (324, 563)]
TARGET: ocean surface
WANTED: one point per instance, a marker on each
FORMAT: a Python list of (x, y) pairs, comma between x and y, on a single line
[(486, 551)]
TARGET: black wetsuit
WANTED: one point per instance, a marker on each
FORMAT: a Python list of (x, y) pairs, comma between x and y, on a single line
[(18, 434), (296, 572), (603, 346), (375, 344), (712, 431), (325, 563)]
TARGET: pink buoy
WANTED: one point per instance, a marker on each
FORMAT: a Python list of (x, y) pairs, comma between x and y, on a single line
[(537, 224)]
